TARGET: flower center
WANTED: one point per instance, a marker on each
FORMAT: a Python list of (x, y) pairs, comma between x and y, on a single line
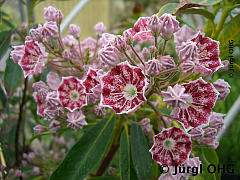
[(74, 95), (169, 144), (130, 92)]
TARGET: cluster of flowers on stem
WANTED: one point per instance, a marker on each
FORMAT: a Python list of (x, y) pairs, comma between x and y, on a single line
[(116, 72)]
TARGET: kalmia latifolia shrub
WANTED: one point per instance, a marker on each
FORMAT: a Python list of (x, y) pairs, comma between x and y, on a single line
[(125, 75)]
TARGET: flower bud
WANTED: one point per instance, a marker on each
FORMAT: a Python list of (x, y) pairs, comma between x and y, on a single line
[(145, 53), (153, 67), (216, 121), (128, 35), (100, 110), (154, 25), (36, 34), (167, 62), (188, 51), (108, 56), (193, 162), (99, 28), (169, 25), (54, 125), (11, 171), (39, 129), (53, 80), (69, 41), (111, 171), (53, 14), (36, 170), (18, 172), (196, 134), (58, 16), (146, 126), (49, 30), (223, 89), (153, 49), (74, 30), (37, 86), (210, 132), (187, 66), (120, 44)]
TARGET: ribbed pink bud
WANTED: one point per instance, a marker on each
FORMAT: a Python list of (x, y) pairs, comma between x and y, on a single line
[(52, 99), (216, 121), (128, 35), (153, 67), (152, 49), (69, 41), (53, 14), (39, 128), (54, 125), (188, 51), (167, 62), (49, 30), (196, 133), (74, 30), (100, 110), (193, 162), (53, 80), (108, 56), (36, 34), (17, 53), (146, 126), (99, 28), (120, 43), (187, 66), (210, 132), (18, 172), (169, 25), (145, 53), (40, 85), (154, 25), (223, 88), (76, 119)]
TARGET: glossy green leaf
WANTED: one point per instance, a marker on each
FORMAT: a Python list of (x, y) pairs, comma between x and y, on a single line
[(125, 157), (87, 153), (202, 12), (12, 75), (230, 32), (205, 2), (167, 8), (141, 156), (5, 40)]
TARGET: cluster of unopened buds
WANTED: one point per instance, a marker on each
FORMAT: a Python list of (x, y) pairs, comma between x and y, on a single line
[(116, 72)]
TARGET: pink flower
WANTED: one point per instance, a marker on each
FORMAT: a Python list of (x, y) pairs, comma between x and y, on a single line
[(53, 81), (192, 162), (188, 51), (145, 53), (34, 58), (196, 134), (171, 147), (41, 90), (91, 80), (143, 36), (167, 62), (123, 88), (223, 89), (185, 33), (199, 105), (76, 119), (72, 93), (208, 60), (169, 25), (153, 67), (146, 126), (39, 128), (99, 28), (154, 25), (18, 172), (49, 30), (108, 56), (175, 96), (142, 24), (74, 30), (18, 53), (54, 125), (53, 14)]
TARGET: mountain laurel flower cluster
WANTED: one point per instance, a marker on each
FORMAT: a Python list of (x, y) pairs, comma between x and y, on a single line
[(125, 74)]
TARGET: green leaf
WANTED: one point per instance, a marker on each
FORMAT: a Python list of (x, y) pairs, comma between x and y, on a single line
[(87, 153), (141, 156), (12, 75), (205, 2), (167, 8), (202, 12), (5, 40), (125, 157), (230, 31), (3, 98), (103, 178), (208, 156)]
